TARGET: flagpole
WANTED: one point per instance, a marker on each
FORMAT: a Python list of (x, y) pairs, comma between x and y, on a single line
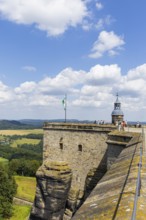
[(65, 106)]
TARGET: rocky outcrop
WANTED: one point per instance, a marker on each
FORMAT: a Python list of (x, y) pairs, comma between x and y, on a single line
[(53, 185)]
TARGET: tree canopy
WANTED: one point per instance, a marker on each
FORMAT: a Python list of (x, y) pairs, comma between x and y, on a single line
[(8, 189)]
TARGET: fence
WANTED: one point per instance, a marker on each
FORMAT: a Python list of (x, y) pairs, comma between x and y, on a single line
[(138, 183)]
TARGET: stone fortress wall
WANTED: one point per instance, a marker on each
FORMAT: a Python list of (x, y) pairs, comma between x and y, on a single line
[(76, 157), (74, 160), (81, 146)]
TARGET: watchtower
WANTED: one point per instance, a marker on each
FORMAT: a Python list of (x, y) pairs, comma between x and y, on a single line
[(117, 113)]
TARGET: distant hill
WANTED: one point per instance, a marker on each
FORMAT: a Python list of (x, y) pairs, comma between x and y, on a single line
[(39, 122), (32, 123), (12, 124)]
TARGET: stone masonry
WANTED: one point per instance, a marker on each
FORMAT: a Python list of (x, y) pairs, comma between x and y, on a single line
[(83, 147)]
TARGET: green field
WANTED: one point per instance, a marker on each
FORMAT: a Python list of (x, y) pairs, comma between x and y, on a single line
[(20, 212), (26, 187), (21, 132), (24, 141), (6, 134)]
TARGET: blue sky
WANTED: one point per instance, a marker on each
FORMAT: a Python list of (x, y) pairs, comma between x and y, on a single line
[(89, 50)]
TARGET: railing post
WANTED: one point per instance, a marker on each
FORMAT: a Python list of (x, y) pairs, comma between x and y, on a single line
[(143, 139)]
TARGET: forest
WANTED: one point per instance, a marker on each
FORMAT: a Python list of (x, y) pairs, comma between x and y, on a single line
[(20, 155)]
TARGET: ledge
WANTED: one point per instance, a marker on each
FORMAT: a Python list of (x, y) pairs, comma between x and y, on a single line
[(78, 127), (117, 142)]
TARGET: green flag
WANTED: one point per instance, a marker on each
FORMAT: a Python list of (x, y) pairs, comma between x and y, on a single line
[(64, 103)]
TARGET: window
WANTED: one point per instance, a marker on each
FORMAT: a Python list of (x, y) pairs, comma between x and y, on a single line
[(61, 146), (80, 147), (61, 143)]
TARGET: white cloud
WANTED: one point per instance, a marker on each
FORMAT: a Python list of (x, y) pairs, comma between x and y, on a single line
[(6, 94), (102, 22), (136, 73), (26, 87), (52, 16), (99, 6), (90, 90), (64, 82), (107, 42), (90, 94), (43, 100), (29, 68), (133, 88), (103, 75)]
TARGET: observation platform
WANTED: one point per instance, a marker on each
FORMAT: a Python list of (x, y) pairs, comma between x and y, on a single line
[(78, 127)]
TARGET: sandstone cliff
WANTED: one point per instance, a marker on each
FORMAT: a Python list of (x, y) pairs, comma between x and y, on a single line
[(53, 185)]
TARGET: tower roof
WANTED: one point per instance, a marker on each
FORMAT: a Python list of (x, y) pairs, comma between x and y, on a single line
[(117, 100), (117, 112)]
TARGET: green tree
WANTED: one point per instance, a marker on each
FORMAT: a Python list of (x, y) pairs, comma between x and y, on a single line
[(8, 189), (24, 167)]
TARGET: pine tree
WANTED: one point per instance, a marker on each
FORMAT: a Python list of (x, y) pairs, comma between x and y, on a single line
[(8, 189)]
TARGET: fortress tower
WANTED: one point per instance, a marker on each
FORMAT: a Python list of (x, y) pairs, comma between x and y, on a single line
[(117, 114)]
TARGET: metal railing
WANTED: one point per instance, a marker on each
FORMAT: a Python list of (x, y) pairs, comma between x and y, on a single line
[(138, 183)]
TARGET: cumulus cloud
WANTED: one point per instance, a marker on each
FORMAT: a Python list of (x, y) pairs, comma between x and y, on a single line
[(107, 42), (133, 84), (133, 88), (93, 91), (52, 16), (103, 75), (6, 94), (39, 99), (26, 87), (137, 72), (65, 81)]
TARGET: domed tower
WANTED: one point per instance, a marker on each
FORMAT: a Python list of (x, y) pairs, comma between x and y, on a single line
[(117, 114)]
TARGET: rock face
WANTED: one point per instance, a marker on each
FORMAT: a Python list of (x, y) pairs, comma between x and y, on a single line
[(53, 185)]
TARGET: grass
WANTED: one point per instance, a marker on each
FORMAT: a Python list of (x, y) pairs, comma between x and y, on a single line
[(26, 187), (21, 132), (3, 161), (25, 141), (21, 212)]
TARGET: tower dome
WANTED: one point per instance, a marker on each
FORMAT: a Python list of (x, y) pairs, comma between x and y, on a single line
[(117, 113)]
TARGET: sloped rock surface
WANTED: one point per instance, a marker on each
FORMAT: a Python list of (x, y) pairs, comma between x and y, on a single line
[(53, 185)]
